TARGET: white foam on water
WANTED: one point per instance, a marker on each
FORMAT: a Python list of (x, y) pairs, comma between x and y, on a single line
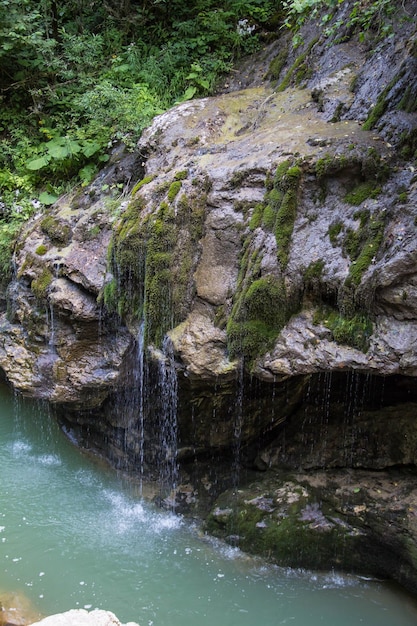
[(49, 460), (127, 514), (165, 521), (86, 478), (20, 448)]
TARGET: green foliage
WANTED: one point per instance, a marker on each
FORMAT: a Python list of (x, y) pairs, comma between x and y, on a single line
[(371, 19), (77, 77), (8, 233)]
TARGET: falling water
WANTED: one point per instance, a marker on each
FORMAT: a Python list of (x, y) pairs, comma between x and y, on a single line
[(140, 383), (237, 427), (51, 324), (168, 426), (50, 315)]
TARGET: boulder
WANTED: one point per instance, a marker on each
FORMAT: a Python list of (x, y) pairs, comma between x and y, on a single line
[(81, 617)]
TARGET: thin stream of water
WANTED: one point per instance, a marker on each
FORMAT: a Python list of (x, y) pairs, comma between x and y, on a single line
[(75, 534)]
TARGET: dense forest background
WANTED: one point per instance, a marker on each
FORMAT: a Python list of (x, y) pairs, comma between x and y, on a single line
[(79, 76)]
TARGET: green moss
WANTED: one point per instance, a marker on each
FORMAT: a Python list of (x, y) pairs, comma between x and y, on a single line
[(182, 175), (314, 271), (408, 102), (354, 331), (238, 178), (151, 257), (338, 112), (261, 311), (284, 226), (58, 231), (325, 165), (280, 173), (334, 231), (331, 164), (41, 250), (381, 104), (363, 244), (174, 190), (40, 285), (285, 538), (276, 65), (257, 216), (141, 183), (286, 182), (303, 73), (362, 192), (269, 217), (300, 60)]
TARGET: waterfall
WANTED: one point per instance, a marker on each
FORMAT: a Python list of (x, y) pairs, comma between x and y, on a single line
[(168, 400), (140, 386), (237, 428)]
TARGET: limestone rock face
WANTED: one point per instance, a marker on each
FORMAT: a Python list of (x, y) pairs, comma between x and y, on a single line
[(263, 186), (57, 342)]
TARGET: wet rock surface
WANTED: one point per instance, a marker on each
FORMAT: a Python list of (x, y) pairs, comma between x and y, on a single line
[(348, 520)]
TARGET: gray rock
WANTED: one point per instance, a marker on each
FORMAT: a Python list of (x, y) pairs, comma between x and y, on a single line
[(81, 617)]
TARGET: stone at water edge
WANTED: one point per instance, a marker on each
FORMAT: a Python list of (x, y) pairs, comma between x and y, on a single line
[(16, 609), (81, 617)]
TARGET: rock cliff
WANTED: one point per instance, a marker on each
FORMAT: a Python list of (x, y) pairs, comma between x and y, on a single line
[(258, 243)]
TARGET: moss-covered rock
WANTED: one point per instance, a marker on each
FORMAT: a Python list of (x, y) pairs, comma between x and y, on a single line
[(151, 257), (57, 229), (286, 522), (40, 285)]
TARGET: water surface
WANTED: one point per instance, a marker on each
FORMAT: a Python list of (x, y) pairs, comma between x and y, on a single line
[(73, 534)]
